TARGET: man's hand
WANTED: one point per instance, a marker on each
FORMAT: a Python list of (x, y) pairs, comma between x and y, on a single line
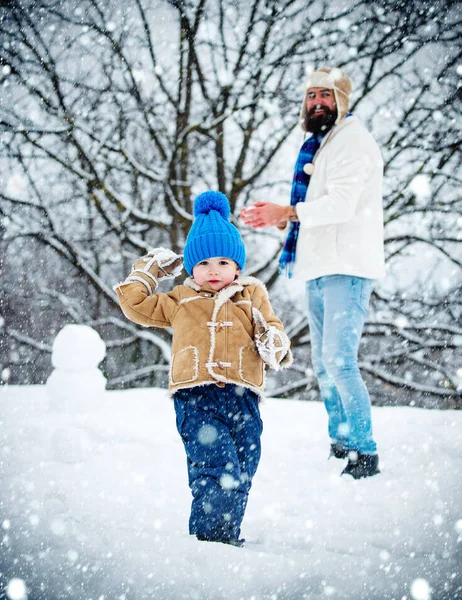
[(265, 214)]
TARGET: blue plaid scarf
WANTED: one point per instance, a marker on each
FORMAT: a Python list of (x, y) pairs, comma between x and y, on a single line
[(300, 185)]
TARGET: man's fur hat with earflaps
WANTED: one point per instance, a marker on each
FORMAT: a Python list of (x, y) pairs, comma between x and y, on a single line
[(331, 79)]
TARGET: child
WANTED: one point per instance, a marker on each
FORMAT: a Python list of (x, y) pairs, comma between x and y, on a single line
[(224, 331)]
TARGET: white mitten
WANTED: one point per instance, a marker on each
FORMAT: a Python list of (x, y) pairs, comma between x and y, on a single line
[(272, 344), (159, 264)]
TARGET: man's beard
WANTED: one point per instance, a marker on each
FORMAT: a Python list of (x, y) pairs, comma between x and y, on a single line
[(320, 123)]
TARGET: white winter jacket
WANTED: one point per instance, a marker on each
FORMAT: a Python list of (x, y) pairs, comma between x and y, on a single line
[(341, 220)]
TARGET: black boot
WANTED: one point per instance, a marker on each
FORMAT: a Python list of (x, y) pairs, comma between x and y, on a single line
[(338, 451), (361, 465), (230, 541)]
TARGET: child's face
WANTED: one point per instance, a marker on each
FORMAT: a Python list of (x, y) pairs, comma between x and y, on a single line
[(218, 272)]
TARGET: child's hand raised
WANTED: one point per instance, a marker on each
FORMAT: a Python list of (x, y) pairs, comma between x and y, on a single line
[(160, 262), (157, 265)]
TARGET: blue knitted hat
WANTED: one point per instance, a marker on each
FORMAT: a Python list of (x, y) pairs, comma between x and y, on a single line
[(211, 233)]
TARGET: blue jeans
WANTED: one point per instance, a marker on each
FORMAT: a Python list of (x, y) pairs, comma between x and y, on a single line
[(220, 429), (337, 309)]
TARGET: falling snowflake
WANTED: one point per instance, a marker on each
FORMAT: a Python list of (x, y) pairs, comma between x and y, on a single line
[(207, 435), (420, 187), (401, 321), (16, 185), (16, 589), (420, 590), (228, 482)]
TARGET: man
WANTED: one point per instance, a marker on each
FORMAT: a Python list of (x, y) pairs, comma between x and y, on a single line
[(335, 244)]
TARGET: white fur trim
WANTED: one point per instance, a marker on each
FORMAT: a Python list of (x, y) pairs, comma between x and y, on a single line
[(189, 282), (240, 370), (259, 320), (210, 363), (222, 297), (150, 262), (184, 300), (254, 388), (147, 273), (195, 366), (136, 279), (236, 286), (226, 294), (248, 280), (287, 360)]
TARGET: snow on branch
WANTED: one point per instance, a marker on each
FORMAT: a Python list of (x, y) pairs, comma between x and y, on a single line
[(145, 334), (412, 385), (176, 206), (70, 305), (138, 374), (149, 173), (104, 191), (28, 340), (292, 387)]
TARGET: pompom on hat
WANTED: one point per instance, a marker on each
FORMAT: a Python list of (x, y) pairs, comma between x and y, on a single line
[(212, 234), (330, 79)]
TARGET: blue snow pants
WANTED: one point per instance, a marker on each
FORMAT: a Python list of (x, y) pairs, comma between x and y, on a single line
[(220, 428)]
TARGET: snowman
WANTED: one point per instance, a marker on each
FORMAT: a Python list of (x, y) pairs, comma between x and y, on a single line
[(74, 388), (76, 382)]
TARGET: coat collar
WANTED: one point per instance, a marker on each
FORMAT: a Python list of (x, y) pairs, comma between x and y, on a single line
[(228, 292)]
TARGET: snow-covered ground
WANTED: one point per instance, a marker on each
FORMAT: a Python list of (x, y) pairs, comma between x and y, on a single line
[(94, 505)]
